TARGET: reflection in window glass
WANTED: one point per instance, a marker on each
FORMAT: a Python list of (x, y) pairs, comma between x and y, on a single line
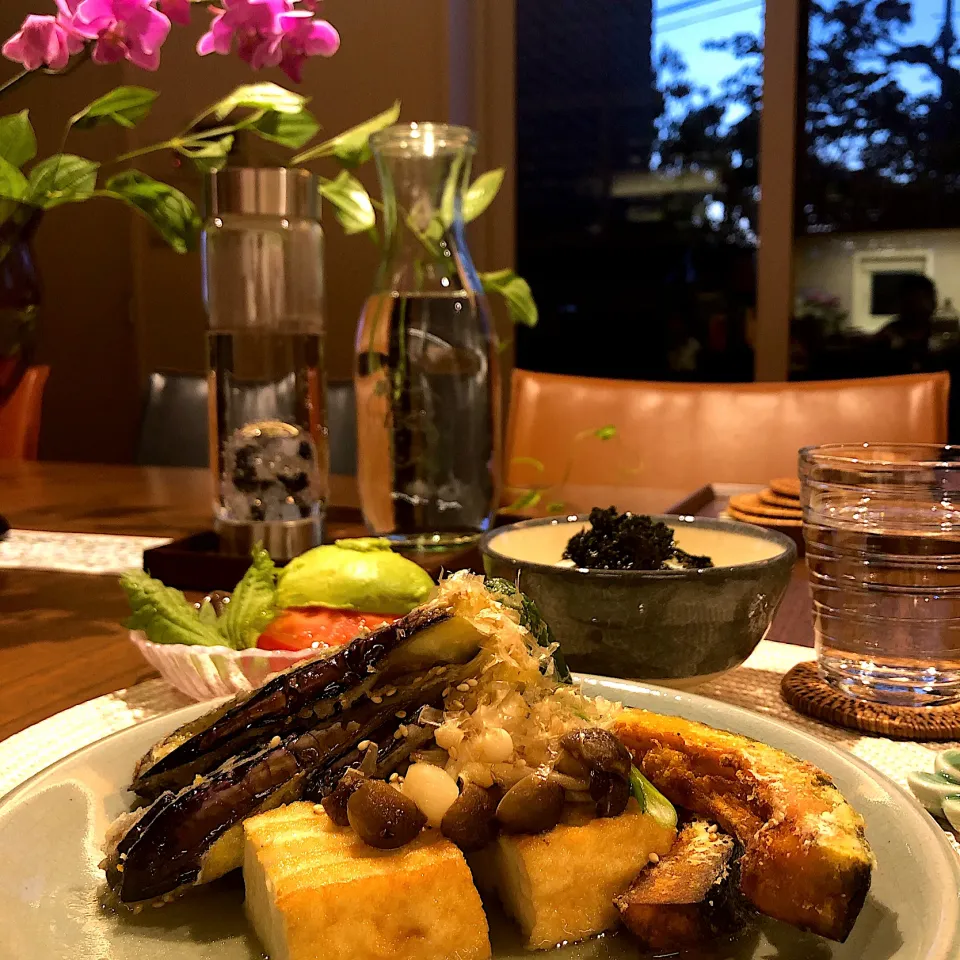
[(638, 129), (878, 191)]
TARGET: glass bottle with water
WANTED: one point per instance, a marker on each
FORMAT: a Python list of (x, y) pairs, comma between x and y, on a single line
[(263, 288), (427, 370)]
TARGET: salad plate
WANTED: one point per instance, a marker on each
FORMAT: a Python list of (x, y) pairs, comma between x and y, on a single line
[(51, 887)]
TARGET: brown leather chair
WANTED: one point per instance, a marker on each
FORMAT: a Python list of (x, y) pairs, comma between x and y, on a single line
[(20, 417), (683, 435)]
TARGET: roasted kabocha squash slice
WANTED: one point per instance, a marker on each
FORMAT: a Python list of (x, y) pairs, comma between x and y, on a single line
[(806, 860)]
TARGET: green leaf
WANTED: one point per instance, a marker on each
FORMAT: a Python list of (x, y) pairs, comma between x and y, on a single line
[(253, 603), (208, 155), (528, 498), (18, 142), (125, 106), (260, 96), (481, 194), (605, 433), (289, 129), (163, 613), (352, 147), (516, 291), (13, 184), (172, 214), (62, 178), (351, 203)]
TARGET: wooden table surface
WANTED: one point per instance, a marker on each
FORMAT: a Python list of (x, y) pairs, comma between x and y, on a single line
[(61, 639)]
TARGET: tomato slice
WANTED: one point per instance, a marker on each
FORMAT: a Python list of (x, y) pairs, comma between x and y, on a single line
[(297, 628)]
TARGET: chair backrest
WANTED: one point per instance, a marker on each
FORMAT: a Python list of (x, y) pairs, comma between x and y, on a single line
[(174, 429), (683, 435), (20, 417)]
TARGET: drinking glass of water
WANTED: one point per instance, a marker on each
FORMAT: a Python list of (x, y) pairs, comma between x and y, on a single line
[(881, 524)]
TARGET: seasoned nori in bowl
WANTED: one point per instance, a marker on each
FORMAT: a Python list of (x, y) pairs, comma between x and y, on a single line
[(628, 541)]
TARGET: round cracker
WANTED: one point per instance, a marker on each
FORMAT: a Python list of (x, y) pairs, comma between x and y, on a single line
[(772, 499), (786, 487), (751, 503), (758, 521)]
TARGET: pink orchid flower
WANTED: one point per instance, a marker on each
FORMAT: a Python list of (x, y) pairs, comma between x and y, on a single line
[(42, 42), (305, 37), (123, 29), (270, 33), (177, 10)]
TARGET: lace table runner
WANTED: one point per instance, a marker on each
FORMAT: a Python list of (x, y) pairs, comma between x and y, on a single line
[(755, 685), (74, 552)]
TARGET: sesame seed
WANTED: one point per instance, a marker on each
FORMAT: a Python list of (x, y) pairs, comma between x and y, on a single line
[(275, 742), (363, 744), (446, 692), (456, 705), (654, 858), (463, 687), (397, 734), (404, 729), (394, 777), (119, 868), (400, 714), (318, 809), (712, 828), (377, 699), (472, 682), (390, 691)]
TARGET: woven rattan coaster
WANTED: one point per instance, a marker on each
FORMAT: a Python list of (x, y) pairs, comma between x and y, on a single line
[(807, 692)]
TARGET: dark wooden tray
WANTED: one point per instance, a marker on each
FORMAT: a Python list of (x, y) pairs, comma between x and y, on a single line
[(196, 563), (711, 500)]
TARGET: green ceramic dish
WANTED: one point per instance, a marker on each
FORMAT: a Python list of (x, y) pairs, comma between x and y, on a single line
[(674, 626)]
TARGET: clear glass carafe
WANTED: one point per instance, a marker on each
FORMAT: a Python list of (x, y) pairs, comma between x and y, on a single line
[(263, 287), (427, 363)]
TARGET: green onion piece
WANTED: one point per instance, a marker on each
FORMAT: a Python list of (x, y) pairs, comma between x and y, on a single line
[(651, 800)]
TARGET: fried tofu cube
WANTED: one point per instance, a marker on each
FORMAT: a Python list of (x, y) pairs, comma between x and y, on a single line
[(315, 891), (560, 886)]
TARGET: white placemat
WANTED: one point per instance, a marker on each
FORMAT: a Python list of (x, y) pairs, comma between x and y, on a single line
[(74, 552), (755, 685)]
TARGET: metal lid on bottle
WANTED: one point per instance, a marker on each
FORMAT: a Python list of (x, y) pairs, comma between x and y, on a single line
[(264, 191)]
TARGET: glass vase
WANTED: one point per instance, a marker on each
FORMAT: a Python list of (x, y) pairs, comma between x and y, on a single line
[(263, 288), (427, 373)]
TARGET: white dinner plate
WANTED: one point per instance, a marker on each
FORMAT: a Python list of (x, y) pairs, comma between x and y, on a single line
[(52, 826)]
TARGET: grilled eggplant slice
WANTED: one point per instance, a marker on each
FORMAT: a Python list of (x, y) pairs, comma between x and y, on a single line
[(806, 859), (300, 698), (691, 896), (195, 835)]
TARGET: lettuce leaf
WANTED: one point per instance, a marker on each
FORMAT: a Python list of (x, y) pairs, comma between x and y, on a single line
[(253, 603), (164, 614)]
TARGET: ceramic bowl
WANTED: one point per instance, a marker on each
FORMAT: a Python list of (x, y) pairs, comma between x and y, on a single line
[(679, 627)]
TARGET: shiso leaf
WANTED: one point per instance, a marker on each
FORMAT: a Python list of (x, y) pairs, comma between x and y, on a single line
[(163, 613), (253, 603)]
